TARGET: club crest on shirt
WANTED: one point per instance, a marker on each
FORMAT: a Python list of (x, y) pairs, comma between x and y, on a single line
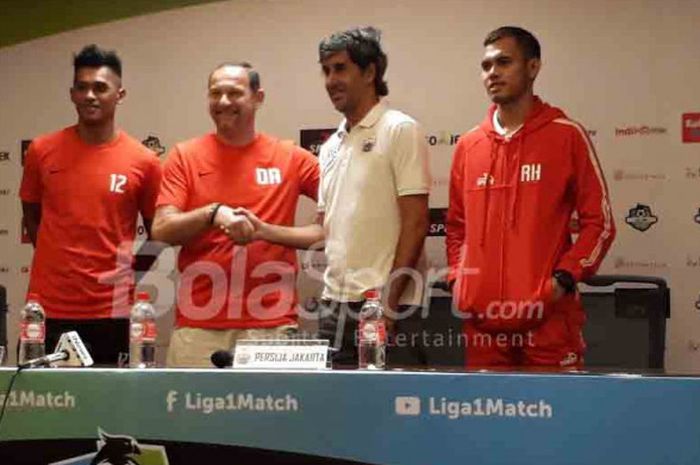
[(368, 144)]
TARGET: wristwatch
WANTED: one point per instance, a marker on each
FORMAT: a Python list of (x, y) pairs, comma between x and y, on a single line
[(566, 281)]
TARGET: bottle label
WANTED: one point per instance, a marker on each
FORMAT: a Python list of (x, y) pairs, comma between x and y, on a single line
[(373, 331), (143, 332), (32, 332)]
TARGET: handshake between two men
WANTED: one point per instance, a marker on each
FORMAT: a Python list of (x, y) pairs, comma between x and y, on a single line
[(241, 225)]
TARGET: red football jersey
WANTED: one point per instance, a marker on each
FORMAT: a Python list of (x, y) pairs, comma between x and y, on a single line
[(228, 286), (90, 198)]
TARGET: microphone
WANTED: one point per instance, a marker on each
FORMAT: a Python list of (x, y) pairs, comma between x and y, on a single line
[(222, 359), (45, 360), (69, 352)]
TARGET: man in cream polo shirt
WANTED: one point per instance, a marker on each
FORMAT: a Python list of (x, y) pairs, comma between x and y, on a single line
[(373, 196)]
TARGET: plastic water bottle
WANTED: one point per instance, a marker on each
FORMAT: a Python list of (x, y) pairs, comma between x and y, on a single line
[(372, 333), (32, 333), (142, 333)]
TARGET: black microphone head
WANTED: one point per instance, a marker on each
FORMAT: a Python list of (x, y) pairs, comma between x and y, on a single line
[(222, 359)]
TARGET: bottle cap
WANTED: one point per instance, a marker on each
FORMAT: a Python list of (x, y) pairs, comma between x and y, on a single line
[(372, 294), (143, 296)]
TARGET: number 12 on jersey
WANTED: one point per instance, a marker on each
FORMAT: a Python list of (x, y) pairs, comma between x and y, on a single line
[(116, 183)]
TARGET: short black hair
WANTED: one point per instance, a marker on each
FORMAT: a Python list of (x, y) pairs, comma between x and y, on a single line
[(253, 75), (527, 42), (364, 47), (92, 56)]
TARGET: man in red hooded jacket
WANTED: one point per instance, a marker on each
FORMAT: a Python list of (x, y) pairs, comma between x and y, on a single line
[(516, 180)]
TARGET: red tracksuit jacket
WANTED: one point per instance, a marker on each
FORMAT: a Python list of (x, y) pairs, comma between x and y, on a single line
[(511, 202)]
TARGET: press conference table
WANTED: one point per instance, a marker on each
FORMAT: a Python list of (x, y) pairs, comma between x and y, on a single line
[(392, 417)]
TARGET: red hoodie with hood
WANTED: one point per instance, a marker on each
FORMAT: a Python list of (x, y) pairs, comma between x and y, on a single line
[(511, 201)]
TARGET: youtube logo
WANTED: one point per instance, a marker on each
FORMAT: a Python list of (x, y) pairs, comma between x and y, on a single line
[(691, 127), (407, 406)]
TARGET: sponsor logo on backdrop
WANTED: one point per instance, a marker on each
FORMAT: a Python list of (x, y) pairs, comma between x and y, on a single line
[(24, 146), (4, 269), (153, 143), (442, 138), (696, 218), (641, 218), (627, 175), (313, 139), (120, 450), (4, 232), (692, 173), (438, 216), (24, 270), (620, 263), (4, 156), (697, 303), (4, 191), (692, 262), (592, 133), (643, 130), (691, 127)]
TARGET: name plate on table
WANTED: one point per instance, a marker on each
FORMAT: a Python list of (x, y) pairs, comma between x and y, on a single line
[(283, 354)]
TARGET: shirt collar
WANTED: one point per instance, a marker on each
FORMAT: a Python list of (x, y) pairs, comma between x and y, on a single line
[(369, 120), (501, 130)]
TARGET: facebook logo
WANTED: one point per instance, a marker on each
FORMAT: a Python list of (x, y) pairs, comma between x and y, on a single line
[(407, 406)]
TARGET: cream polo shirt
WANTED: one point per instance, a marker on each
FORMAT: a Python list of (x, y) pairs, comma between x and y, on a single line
[(363, 172)]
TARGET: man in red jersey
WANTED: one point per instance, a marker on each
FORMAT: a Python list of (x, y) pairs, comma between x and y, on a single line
[(82, 191), (516, 179), (231, 287)]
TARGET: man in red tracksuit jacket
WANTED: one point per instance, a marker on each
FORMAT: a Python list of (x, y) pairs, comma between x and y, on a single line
[(516, 180)]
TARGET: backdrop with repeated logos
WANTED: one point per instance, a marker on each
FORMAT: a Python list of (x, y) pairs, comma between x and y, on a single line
[(622, 69)]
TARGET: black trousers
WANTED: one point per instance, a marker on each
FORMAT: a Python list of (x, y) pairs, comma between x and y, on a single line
[(104, 338)]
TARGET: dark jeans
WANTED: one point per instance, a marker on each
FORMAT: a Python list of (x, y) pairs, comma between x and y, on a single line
[(338, 323), (103, 338)]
